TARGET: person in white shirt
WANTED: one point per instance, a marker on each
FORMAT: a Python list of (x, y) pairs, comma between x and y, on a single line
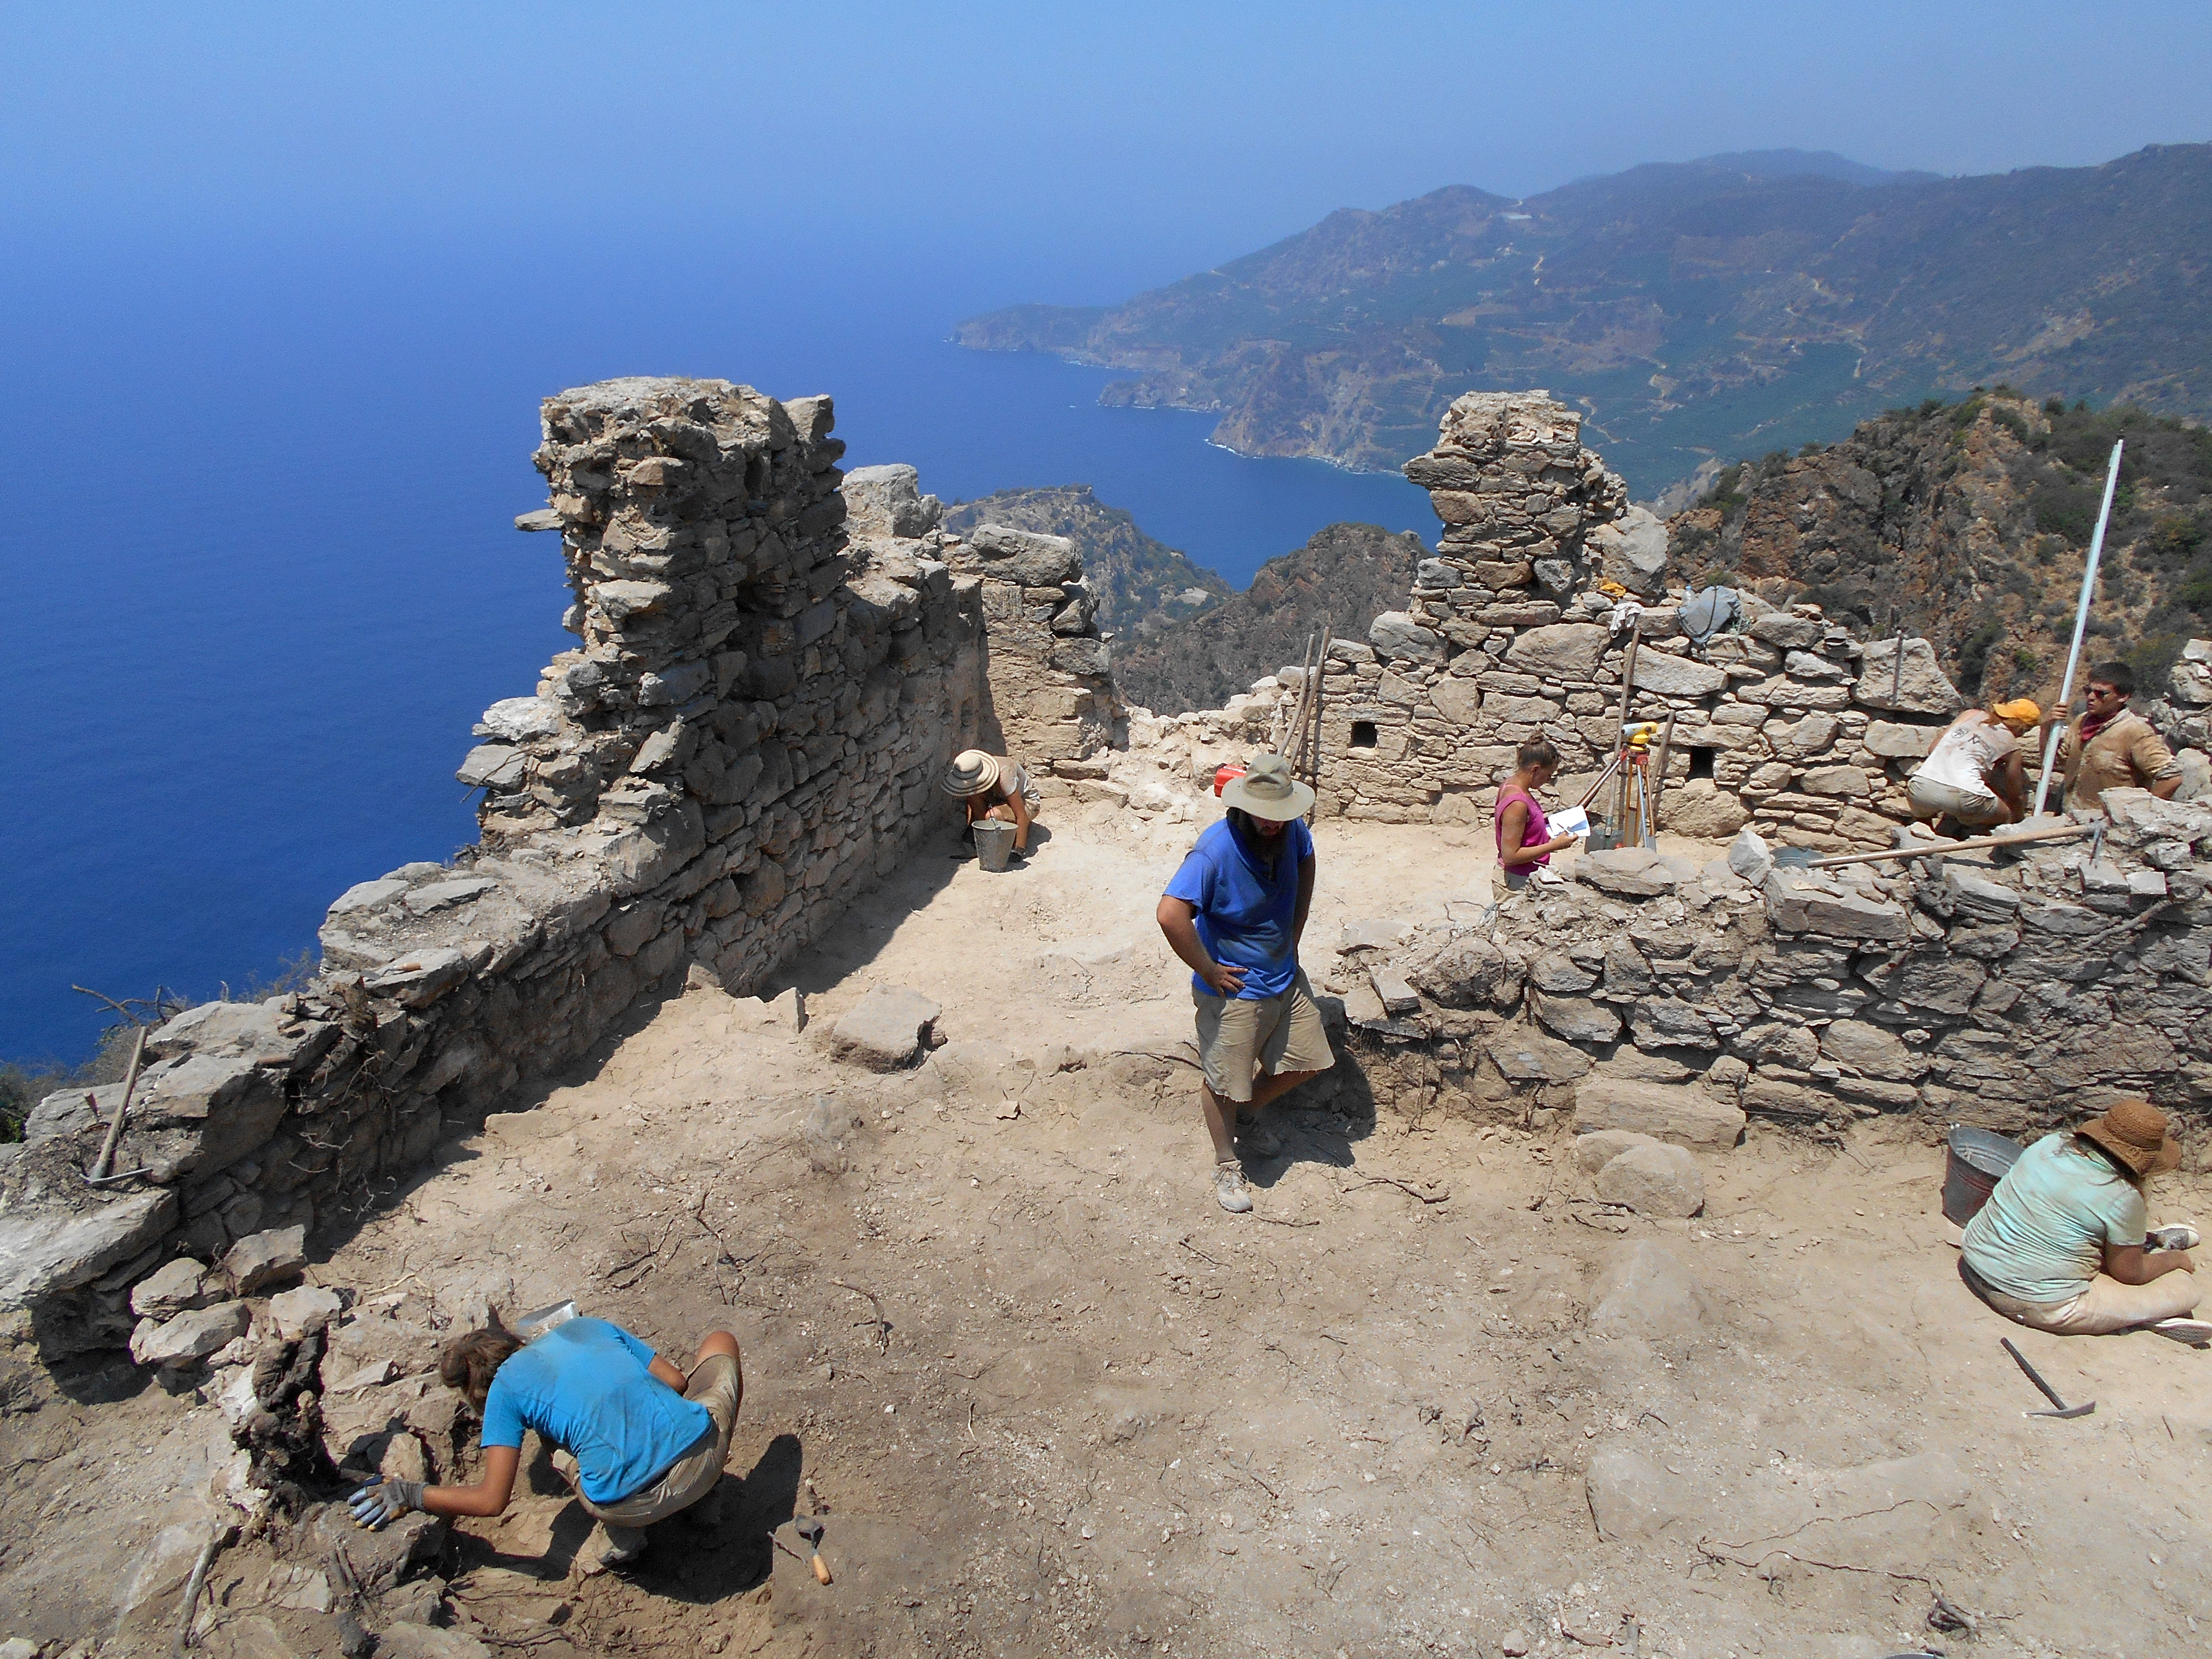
[(1973, 777)]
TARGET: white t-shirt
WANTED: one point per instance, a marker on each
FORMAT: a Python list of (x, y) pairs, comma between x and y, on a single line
[(1965, 756)]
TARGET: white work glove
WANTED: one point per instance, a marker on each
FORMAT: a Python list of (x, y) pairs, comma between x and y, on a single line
[(382, 1501)]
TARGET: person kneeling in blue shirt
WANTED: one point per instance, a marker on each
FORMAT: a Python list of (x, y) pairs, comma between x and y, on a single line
[(1235, 913), (648, 1441)]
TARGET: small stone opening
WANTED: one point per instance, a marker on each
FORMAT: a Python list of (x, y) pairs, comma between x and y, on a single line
[(1363, 734), (1701, 761)]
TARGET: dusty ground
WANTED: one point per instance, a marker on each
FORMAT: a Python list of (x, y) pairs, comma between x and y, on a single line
[(1047, 1398)]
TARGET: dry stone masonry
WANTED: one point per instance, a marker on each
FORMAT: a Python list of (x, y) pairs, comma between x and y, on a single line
[(1656, 998), (771, 673), (1790, 724)]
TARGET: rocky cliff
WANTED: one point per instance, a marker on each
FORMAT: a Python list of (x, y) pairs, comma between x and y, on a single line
[(1140, 583), (1345, 577), (1969, 522)]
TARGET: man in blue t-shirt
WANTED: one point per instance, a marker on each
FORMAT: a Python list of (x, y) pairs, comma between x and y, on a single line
[(648, 1441), (1234, 912)]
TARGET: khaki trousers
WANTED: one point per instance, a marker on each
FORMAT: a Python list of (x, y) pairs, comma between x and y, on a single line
[(716, 1386), (2106, 1306)]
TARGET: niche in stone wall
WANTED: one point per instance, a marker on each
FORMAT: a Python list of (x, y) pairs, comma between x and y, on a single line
[(1701, 761), (1363, 734)]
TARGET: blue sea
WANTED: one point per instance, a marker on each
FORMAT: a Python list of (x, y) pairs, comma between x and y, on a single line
[(259, 553)]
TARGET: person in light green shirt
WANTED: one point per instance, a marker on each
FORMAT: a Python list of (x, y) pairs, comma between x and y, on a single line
[(2064, 1244)]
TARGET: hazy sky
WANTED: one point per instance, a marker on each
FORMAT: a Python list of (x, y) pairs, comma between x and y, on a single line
[(1083, 151)]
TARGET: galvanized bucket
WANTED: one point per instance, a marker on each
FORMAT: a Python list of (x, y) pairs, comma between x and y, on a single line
[(1974, 1161), (994, 843)]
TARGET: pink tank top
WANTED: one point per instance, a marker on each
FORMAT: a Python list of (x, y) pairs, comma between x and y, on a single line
[(1538, 830)]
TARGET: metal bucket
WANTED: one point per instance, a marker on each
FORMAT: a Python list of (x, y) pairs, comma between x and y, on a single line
[(538, 1321), (1601, 836), (1974, 1161), (994, 843)]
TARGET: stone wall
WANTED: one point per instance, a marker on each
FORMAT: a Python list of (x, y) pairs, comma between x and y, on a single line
[(1663, 997), (1790, 724), (749, 733)]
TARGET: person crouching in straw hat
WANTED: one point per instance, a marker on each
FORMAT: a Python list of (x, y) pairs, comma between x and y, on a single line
[(2063, 1245), (1235, 913), (994, 786)]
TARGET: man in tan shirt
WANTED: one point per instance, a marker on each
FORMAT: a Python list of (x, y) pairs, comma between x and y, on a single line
[(2109, 746)]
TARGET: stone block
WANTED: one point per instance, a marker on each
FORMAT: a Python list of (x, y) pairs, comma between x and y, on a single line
[(1797, 903), (265, 1259), (366, 895), (1920, 689), (1025, 558), (43, 1251), (1527, 1055), (885, 1030), (1871, 1051), (1893, 741), (303, 1311), (1594, 1151), (1681, 1116), (1655, 1179), (1575, 1019), (1671, 1023), (1671, 676), (1395, 633), (1632, 552), (171, 1289), (1397, 996), (1627, 973), (190, 1336), (1837, 780), (1701, 809), (1556, 972), (1565, 651), (1629, 872)]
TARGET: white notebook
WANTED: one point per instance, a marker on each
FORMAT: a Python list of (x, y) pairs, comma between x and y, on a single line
[(1570, 821)]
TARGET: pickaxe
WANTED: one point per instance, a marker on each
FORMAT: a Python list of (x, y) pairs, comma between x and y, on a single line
[(2049, 1393)]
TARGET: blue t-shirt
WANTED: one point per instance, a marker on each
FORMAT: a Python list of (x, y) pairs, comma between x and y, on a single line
[(1245, 917), (585, 1386)]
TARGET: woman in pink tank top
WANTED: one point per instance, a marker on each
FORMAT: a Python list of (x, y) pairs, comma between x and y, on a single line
[(1525, 841)]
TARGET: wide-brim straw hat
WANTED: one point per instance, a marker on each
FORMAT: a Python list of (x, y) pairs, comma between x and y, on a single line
[(1268, 791), (2133, 1132), (971, 772)]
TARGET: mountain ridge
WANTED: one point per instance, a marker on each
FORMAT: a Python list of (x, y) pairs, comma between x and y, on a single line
[(1690, 308)]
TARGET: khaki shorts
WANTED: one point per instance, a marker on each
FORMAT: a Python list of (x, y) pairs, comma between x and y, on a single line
[(1240, 1036), (2105, 1306), (1975, 809), (718, 1386)]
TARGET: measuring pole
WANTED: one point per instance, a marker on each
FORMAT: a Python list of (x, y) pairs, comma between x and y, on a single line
[(2081, 622)]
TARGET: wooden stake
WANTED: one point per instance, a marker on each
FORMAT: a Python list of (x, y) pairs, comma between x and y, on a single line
[(106, 1161), (1290, 739), (1621, 735), (1659, 775), (1313, 738)]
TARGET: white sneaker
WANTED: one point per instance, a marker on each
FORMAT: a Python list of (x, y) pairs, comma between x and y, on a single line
[(1229, 1186), (2179, 1236), (2195, 1332)]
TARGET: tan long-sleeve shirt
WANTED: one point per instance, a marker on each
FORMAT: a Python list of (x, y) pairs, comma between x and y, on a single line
[(2127, 754)]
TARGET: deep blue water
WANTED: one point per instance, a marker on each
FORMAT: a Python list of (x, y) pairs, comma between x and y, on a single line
[(258, 559)]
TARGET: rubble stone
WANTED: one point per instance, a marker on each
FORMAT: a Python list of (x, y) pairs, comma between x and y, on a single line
[(1653, 1180), (193, 1334), (265, 1259), (1684, 1117), (886, 1028)]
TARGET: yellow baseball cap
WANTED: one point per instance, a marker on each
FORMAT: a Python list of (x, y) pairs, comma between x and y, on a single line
[(2019, 708)]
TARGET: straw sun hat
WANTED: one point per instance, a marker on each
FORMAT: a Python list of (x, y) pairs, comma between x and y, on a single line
[(1268, 791), (2133, 1132), (971, 772)]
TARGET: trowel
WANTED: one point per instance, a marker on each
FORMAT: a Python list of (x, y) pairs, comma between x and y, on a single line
[(2049, 1393), (810, 1530)]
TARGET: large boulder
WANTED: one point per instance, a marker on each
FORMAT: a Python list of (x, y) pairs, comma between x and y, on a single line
[(1594, 1151), (221, 1107), (187, 1337), (1467, 972), (1633, 871), (1657, 1180), (268, 1258), (1671, 676), (1702, 810), (44, 1250), (1632, 552), (1024, 558), (887, 501), (1685, 1116), (1800, 902)]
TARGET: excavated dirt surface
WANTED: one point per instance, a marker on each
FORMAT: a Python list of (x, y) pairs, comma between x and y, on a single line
[(1047, 1398)]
